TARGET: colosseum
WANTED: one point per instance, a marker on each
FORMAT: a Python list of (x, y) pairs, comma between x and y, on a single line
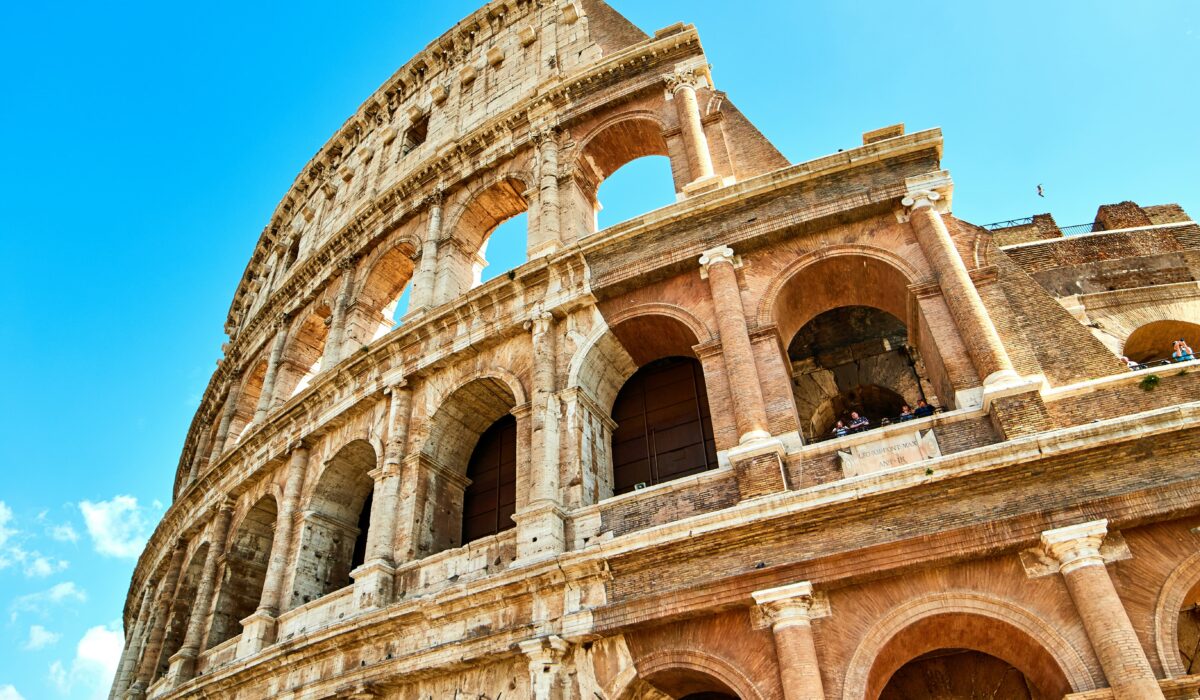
[(800, 434)]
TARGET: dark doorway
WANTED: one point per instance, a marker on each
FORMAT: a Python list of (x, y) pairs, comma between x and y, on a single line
[(360, 543), (490, 500), (664, 430)]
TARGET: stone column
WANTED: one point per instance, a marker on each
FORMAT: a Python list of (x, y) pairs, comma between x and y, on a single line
[(133, 645), (682, 85), (790, 611), (545, 667), (540, 530), (550, 225), (183, 663), (227, 413), (421, 297), (966, 307), (373, 580), (337, 323), (258, 630), (203, 447), (158, 630), (268, 385), (749, 410), (1077, 551)]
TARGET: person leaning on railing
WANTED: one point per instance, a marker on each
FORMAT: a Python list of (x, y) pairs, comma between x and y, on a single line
[(1183, 352), (924, 410)]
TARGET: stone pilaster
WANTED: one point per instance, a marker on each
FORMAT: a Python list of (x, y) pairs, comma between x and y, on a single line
[(421, 297), (133, 645), (258, 630), (966, 307), (158, 630), (545, 667), (549, 235), (540, 528), (1077, 551), (682, 85), (183, 663), (268, 385), (227, 413), (334, 351), (790, 611)]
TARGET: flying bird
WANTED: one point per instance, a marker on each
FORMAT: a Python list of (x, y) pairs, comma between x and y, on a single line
[(1041, 192)]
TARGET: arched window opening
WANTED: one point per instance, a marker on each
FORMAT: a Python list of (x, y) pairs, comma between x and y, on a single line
[(335, 524), (947, 674), (383, 299), (468, 466), (690, 684), (490, 500), (1154, 341), (504, 249), (854, 359), (399, 308), (301, 359), (293, 252), (181, 608), (245, 572), (1189, 631), (664, 428), (247, 402), (640, 186)]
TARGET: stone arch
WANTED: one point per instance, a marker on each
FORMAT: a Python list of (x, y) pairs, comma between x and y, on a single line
[(302, 354), (965, 620), (680, 672), (1153, 341), (181, 607), (462, 416), (613, 143), (388, 271), (246, 560), (334, 527), (247, 400), (1171, 599), (468, 225)]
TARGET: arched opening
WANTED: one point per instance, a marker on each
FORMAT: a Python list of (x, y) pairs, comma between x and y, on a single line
[(465, 257), (334, 531), (663, 425), (1154, 341), (954, 674), (945, 655), (383, 299), (245, 572), (181, 608), (471, 451), (490, 500), (690, 684), (664, 428), (641, 189), (853, 360), (850, 322), (247, 402), (1189, 631), (640, 186), (301, 359)]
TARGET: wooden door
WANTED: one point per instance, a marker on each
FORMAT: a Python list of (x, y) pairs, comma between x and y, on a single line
[(490, 500)]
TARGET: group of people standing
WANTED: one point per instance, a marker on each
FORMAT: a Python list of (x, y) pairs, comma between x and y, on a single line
[(857, 422), (1180, 352)]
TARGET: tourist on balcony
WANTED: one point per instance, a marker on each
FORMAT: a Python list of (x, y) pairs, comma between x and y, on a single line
[(1129, 363), (924, 410), (840, 429), (906, 413), (858, 423), (1183, 351)]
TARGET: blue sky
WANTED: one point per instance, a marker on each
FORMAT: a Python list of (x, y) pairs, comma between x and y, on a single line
[(146, 145)]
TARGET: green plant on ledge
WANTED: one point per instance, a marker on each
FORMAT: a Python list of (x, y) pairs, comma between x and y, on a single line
[(1150, 382)]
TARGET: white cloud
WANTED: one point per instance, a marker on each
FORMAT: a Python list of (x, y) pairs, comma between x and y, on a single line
[(95, 663), (42, 601), (40, 638), (117, 527), (64, 533), (7, 692), (38, 566)]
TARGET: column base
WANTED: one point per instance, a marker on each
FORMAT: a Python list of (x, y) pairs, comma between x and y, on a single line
[(136, 692), (702, 185), (543, 249), (541, 533), (258, 633), (758, 466), (374, 582), (182, 668)]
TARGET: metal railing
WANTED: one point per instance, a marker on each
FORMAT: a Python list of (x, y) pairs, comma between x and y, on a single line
[(1009, 224), (1079, 229), (883, 423)]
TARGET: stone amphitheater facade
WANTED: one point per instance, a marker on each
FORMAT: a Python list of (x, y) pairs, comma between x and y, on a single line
[(608, 474)]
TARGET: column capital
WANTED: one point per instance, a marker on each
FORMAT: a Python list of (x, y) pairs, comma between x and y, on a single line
[(682, 78), (544, 134), (396, 386), (346, 263), (1076, 546), (281, 320), (545, 651), (920, 199), (794, 604), (433, 199), (719, 254), (539, 321)]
